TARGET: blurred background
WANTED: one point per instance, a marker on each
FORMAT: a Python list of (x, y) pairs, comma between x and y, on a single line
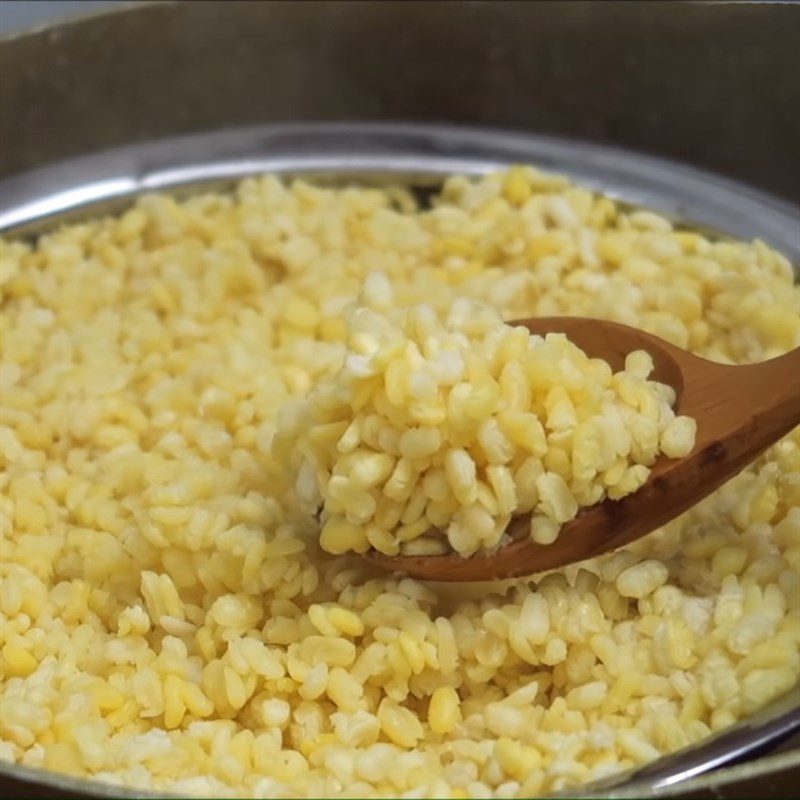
[(19, 15), (708, 84)]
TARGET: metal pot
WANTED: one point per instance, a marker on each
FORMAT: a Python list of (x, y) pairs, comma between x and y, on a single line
[(119, 80)]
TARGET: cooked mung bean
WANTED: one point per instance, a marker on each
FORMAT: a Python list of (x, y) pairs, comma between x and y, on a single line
[(169, 619)]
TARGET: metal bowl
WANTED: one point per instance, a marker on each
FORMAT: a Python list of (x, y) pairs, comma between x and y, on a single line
[(206, 59), (417, 156)]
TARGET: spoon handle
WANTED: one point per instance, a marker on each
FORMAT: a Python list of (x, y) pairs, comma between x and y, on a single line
[(741, 410)]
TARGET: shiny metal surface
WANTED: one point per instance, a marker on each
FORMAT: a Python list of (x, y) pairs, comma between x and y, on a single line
[(418, 156), (665, 776), (376, 152)]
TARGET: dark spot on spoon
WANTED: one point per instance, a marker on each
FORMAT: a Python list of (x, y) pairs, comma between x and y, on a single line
[(613, 509), (716, 451)]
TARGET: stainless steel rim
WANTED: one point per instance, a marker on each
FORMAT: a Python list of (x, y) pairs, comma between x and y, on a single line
[(419, 155), (423, 153)]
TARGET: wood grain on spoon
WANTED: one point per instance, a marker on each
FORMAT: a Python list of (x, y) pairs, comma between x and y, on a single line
[(740, 411)]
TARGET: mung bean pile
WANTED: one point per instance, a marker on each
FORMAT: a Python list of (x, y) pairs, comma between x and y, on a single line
[(169, 619)]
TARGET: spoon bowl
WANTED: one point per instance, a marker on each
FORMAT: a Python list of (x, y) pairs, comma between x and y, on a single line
[(740, 411)]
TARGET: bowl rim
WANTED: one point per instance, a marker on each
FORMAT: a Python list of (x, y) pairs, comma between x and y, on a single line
[(400, 151)]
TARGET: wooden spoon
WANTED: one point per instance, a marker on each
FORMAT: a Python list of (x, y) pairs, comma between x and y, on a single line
[(740, 411)]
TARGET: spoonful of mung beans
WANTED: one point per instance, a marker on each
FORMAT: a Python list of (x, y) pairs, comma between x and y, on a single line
[(497, 451)]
